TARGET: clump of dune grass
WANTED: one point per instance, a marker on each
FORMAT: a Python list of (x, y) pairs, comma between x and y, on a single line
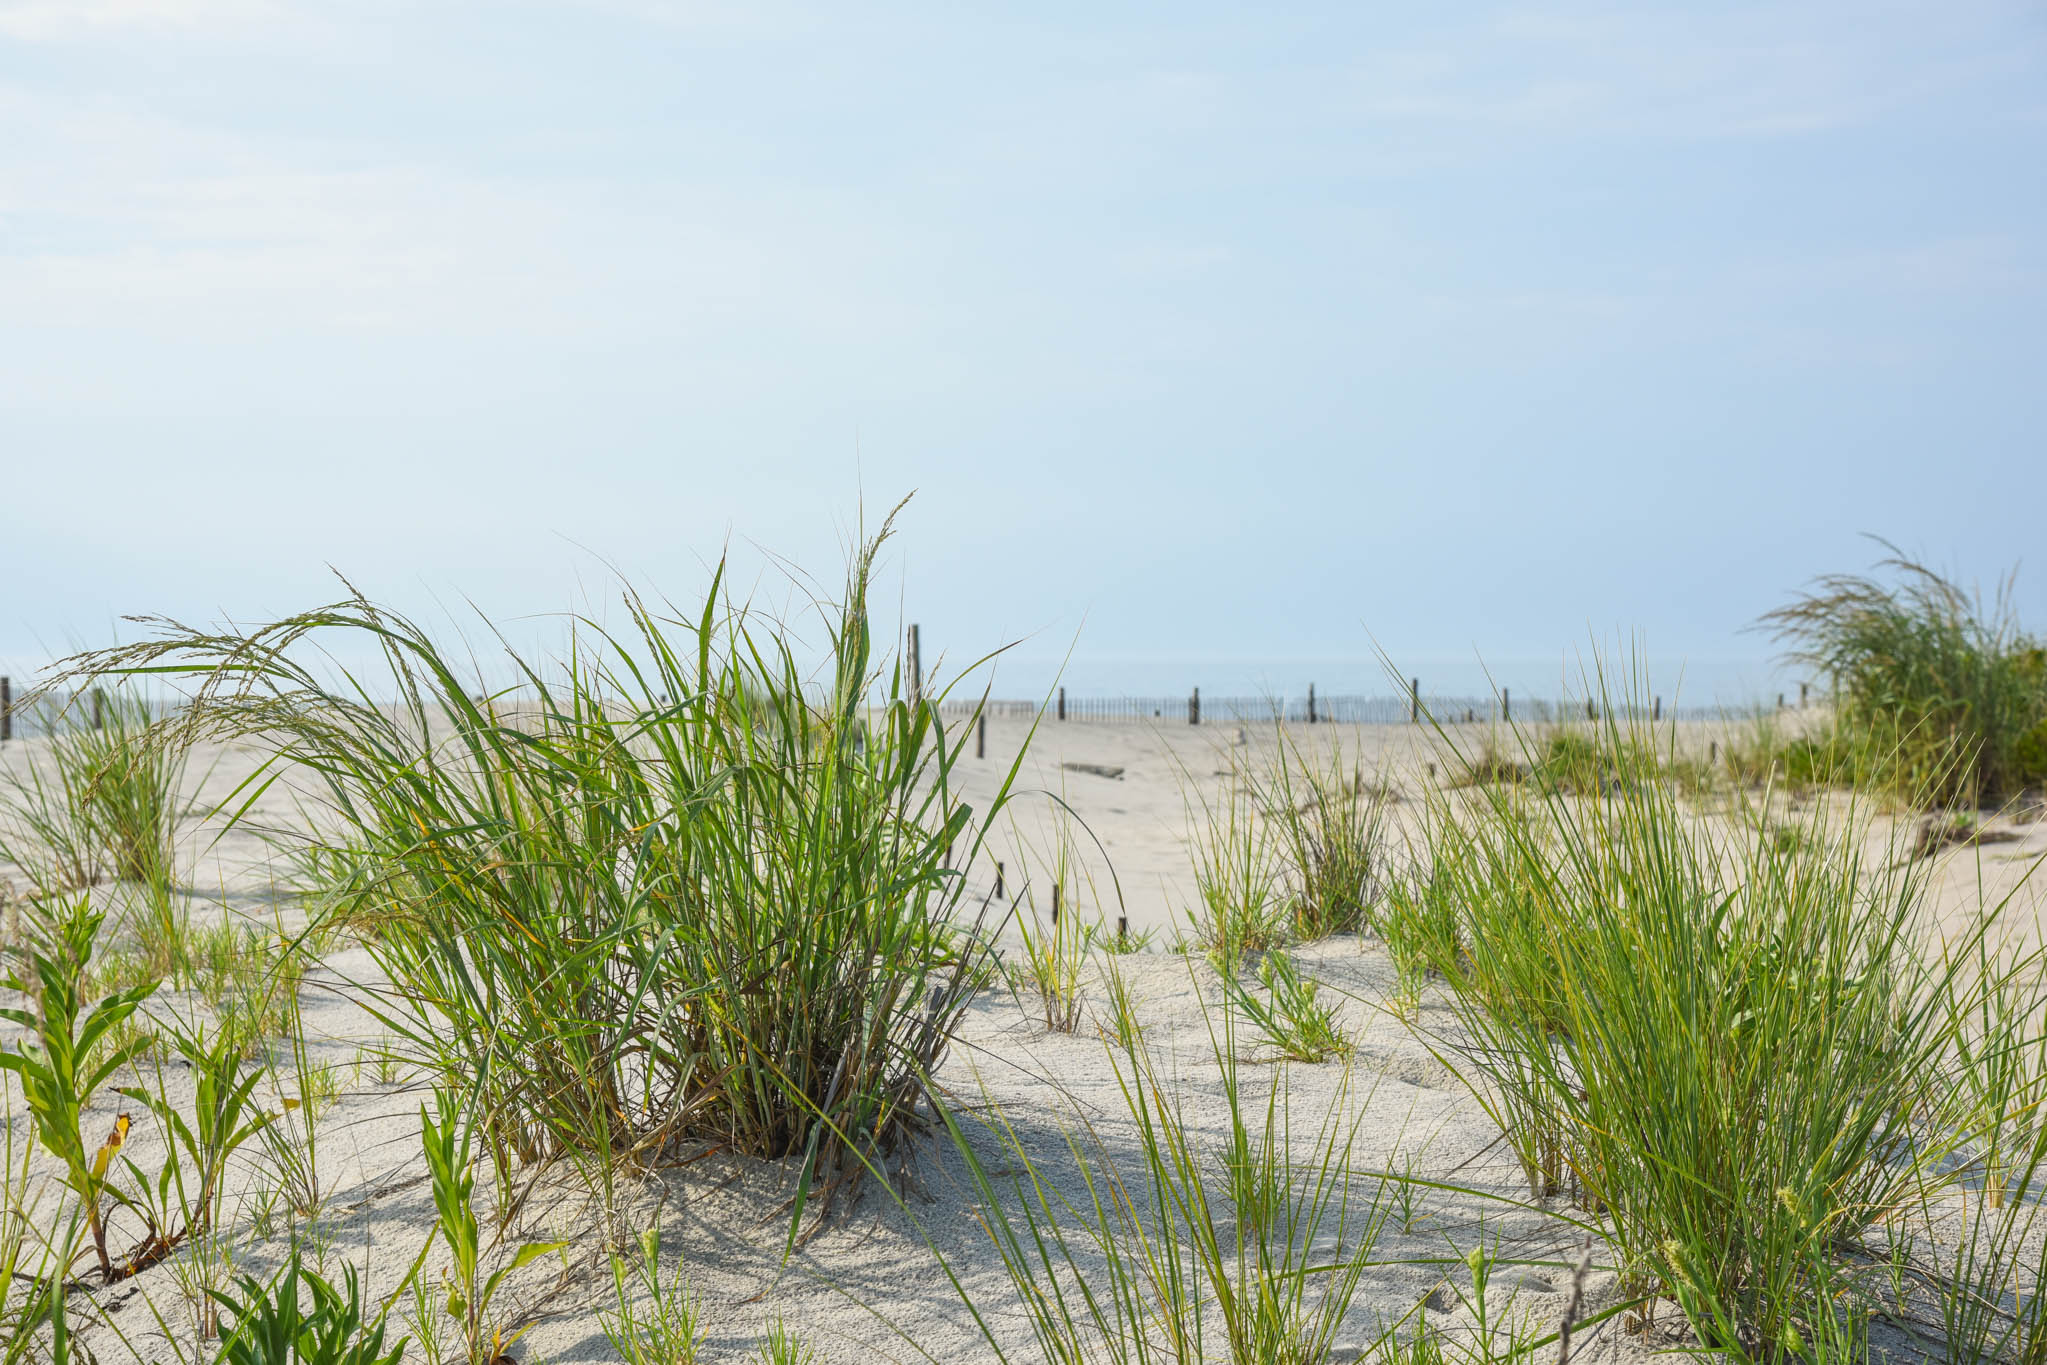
[(1250, 1252), (1731, 1050), (1329, 824), (1240, 905), (1289, 1013), (1056, 943), (661, 893), (1760, 750), (1986, 1281), (1058, 934), (1945, 688), (96, 800)]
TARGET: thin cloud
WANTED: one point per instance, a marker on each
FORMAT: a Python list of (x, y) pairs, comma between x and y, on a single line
[(61, 20)]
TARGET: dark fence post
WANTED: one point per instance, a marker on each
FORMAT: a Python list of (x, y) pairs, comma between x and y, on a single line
[(1591, 709), (6, 709), (1656, 712), (916, 670), (998, 881), (1055, 905), (1194, 707), (1506, 704), (99, 701), (1713, 753), (1062, 703), (981, 736), (1311, 703), (1414, 701), (1780, 701), (1802, 690)]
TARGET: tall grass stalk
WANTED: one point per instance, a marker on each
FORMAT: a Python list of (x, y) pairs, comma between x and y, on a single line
[(662, 893)]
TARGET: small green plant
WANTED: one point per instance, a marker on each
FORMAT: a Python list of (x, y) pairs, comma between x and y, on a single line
[(65, 1065), (1404, 1202), (1124, 943), (783, 1347), (1253, 1166), (1419, 926), (1121, 1024), (1054, 959), (1496, 1334), (203, 1271), (666, 1332), (293, 1137), (275, 1324), (427, 1318), (1289, 1016), (27, 1257), (1240, 907), (448, 1140), (1329, 820), (254, 1015), (224, 1116)]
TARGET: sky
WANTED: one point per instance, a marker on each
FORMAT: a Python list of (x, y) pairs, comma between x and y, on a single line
[(1223, 345)]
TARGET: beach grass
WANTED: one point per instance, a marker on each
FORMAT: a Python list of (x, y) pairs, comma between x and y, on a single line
[(1732, 1052), (660, 893), (1942, 693)]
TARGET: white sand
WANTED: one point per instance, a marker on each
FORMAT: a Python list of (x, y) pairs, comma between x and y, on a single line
[(870, 1286)]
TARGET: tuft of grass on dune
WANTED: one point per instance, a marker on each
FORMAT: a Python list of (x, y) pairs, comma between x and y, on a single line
[(1940, 695), (1240, 905), (1329, 818), (1730, 1049), (662, 894), (107, 806)]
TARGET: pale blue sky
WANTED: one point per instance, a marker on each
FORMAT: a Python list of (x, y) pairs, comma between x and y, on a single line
[(1230, 332)]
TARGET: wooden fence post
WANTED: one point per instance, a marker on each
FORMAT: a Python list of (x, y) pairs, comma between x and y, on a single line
[(1055, 905), (981, 736), (1414, 701), (998, 881), (1311, 703), (1194, 707), (1062, 703), (916, 663), (1803, 688), (6, 709), (1780, 701), (1656, 712), (99, 701), (1591, 711), (1506, 704)]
